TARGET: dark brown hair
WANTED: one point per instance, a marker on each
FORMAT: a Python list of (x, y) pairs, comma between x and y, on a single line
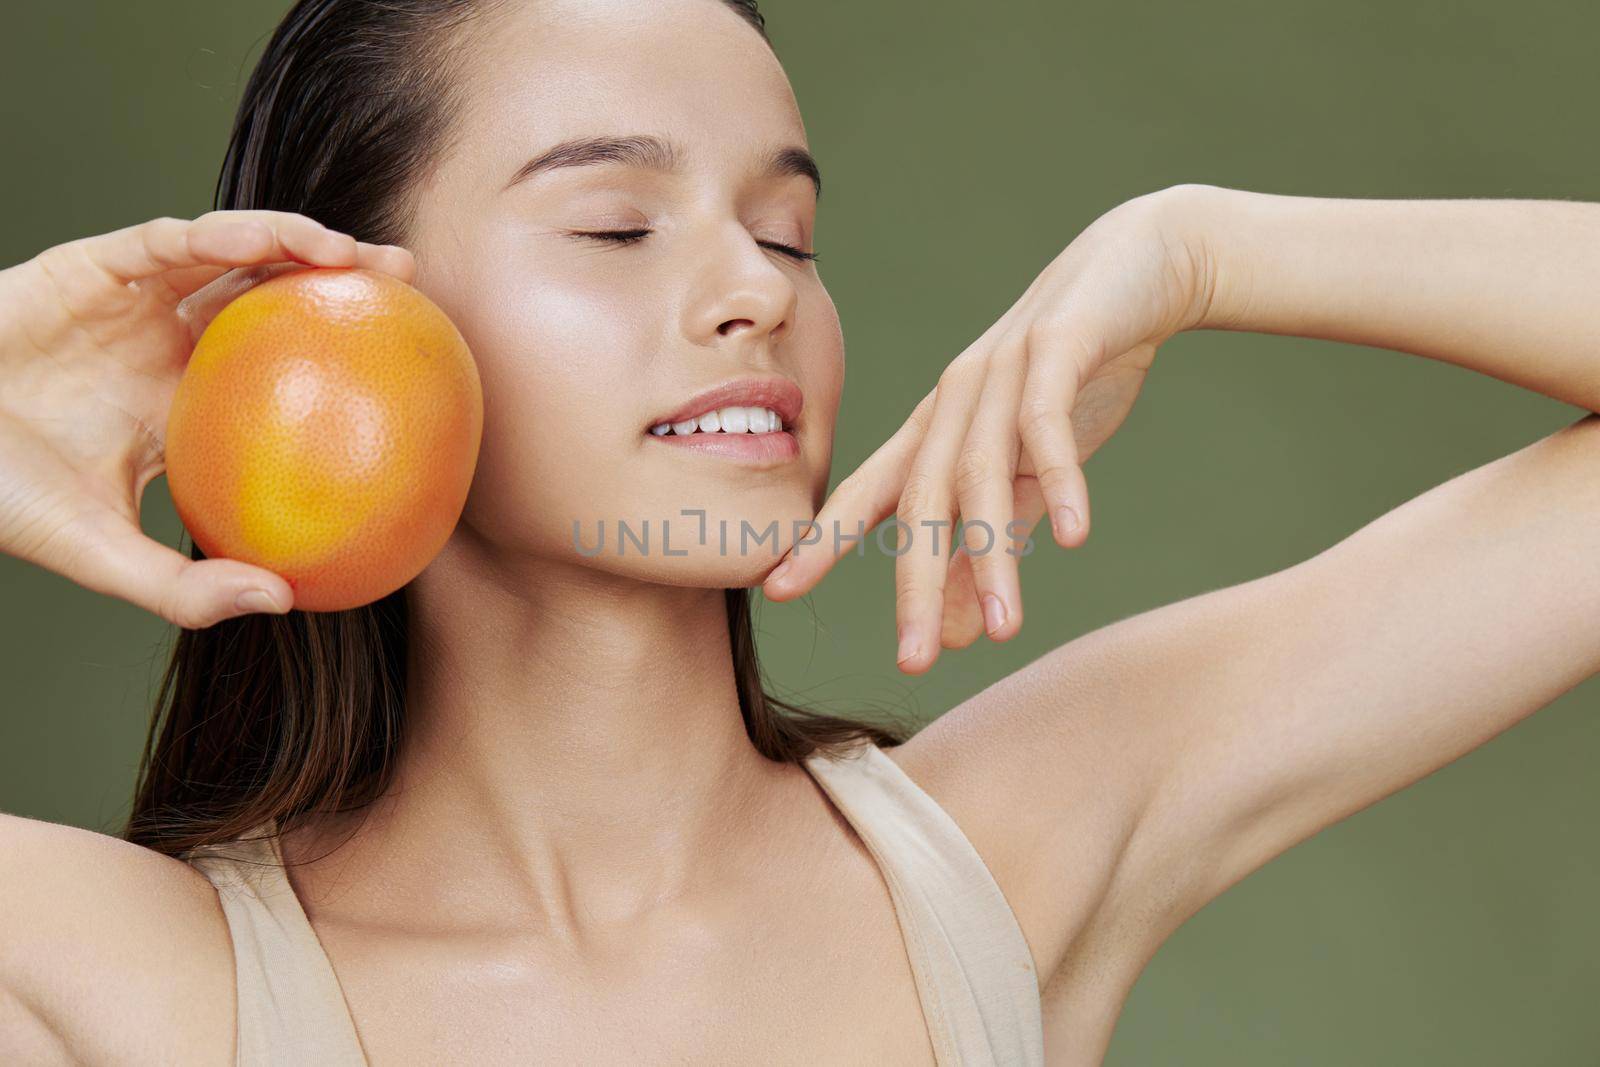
[(268, 717)]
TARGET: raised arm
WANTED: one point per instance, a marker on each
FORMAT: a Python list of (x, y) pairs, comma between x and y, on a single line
[(1123, 780), (110, 952), (1506, 287)]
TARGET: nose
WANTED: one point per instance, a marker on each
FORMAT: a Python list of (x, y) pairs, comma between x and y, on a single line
[(742, 294)]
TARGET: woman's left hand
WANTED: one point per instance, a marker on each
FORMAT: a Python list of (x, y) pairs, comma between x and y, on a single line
[(1001, 438)]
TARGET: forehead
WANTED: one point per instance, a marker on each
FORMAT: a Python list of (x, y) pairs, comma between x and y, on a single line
[(537, 73)]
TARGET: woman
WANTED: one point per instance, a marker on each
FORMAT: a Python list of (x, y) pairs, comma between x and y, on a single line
[(535, 806)]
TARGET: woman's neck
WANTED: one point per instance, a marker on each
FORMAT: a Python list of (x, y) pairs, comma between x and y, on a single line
[(573, 739)]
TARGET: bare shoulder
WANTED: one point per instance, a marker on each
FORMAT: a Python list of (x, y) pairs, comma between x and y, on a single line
[(1086, 967), (980, 761), (109, 952), (971, 761), (1047, 771)]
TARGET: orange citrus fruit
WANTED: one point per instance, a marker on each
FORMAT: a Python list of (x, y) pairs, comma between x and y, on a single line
[(326, 428)]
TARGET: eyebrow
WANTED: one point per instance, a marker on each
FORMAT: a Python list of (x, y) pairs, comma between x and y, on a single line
[(649, 152)]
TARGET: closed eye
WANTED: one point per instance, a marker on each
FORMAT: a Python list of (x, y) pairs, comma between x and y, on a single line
[(628, 237)]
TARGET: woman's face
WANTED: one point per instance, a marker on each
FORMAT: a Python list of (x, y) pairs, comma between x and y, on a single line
[(584, 345)]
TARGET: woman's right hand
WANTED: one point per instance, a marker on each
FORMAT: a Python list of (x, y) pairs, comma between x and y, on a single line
[(94, 336)]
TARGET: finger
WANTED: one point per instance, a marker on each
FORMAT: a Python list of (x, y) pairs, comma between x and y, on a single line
[(962, 623), (862, 500), (868, 496), (181, 282), (120, 560), (963, 615), (927, 508), (390, 259), (983, 475), (184, 282), (218, 238), (1055, 359), (1028, 507), (200, 307)]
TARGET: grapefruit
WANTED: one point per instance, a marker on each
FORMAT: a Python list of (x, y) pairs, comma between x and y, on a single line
[(326, 428)]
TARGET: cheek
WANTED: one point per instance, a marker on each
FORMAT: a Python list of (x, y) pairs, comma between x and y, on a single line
[(553, 361), (821, 374), (569, 364)]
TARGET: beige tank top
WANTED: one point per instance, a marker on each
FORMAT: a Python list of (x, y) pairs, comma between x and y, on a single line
[(973, 971)]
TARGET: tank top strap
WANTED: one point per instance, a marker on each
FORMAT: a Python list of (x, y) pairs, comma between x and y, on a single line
[(291, 1008), (974, 973)]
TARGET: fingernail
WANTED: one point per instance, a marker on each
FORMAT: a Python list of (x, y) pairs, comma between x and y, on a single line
[(1066, 519), (257, 600), (994, 612), (780, 571), (909, 645)]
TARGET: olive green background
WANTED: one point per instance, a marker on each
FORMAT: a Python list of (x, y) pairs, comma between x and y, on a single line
[(963, 145)]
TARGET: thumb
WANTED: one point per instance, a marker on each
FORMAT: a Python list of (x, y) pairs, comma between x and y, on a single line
[(123, 562)]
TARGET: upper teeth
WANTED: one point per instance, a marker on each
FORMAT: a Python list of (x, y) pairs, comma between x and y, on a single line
[(725, 420)]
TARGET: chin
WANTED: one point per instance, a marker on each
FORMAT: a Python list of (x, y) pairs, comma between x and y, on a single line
[(728, 543), (712, 573), (699, 569)]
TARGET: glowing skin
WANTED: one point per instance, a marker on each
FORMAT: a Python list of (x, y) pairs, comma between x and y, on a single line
[(575, 740), (583, 858), (581, 342)]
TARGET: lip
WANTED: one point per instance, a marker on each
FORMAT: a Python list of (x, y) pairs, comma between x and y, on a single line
[(755, 449), (769, 391)]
